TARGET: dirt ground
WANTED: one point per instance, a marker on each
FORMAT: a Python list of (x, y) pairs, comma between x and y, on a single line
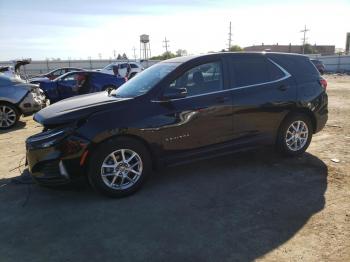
[(244, 207)]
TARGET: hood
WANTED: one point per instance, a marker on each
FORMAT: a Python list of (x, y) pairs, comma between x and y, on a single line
[(76, 108), (39, 79), (29, 87)]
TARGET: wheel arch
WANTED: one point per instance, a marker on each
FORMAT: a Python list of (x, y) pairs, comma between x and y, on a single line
[(154, 161), (12, 104), (304, 111)]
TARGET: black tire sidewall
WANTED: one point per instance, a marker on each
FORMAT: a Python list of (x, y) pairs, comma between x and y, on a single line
[(97, 158), (14, 108), (281, 143)]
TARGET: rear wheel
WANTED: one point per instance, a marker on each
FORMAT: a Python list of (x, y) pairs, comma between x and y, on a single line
[(119, 167), (9, 115), (132, 75), (295, 135), (108, 87)]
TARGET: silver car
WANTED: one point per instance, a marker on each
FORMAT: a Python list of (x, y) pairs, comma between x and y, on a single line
[(18, 98)]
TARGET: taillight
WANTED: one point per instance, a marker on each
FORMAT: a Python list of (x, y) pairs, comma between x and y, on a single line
[(323, 83)]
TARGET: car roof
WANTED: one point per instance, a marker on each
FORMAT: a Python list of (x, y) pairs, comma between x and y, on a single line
[(183, 59)]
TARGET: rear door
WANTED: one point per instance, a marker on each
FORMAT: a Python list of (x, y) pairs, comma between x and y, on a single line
[(263, 92)]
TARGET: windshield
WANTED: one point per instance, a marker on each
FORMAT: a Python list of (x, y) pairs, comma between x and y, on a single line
[(143, 82)]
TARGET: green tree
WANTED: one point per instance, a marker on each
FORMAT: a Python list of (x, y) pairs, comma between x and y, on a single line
[(165, 55), (181, 52), (119, 57), (125, 56), (308, 49), (235, 48)]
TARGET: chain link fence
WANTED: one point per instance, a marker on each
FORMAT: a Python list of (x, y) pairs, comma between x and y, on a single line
[(43, 66)]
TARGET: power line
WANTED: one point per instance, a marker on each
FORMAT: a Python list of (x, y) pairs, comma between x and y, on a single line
[(304, 31), (134, 49)]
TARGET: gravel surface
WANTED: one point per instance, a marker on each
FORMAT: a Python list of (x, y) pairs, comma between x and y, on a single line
[(243, 207)]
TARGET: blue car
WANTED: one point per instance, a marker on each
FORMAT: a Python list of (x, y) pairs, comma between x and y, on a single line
[(79, 83)]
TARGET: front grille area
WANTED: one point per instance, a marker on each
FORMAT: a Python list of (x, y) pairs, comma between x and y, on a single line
[(48, 173)]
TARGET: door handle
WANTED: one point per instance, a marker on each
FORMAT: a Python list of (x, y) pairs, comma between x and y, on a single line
[(283, 87), (221, 99)]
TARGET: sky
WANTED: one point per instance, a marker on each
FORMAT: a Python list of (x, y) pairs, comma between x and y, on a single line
[(79, 29)]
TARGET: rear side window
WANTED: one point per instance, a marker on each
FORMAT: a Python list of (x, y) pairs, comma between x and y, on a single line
[(250, 70), (300, 67), (274, 71), (134, 66)]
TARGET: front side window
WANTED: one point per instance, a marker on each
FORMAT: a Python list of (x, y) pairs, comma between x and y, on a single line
[(145, 81), (202, 79), (109, 67), (57, 73)]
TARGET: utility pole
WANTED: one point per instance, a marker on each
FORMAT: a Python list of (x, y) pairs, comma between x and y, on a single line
[(304, 37), (229, 38), (134, 49), (166, 45), (114, 54)]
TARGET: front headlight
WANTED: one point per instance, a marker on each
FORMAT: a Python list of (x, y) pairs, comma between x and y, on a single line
[(48, 138)]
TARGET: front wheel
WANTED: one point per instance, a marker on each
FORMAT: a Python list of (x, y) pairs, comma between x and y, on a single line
[(295, 135), (9, 115), (119, 167)]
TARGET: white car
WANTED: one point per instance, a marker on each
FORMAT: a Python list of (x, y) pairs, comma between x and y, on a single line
[(134, 69)]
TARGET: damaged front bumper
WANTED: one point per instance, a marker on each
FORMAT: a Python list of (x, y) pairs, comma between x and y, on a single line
[(55, 157), (33, 102)]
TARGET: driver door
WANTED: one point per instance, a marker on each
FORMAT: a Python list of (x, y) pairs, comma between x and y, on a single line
[(204, 116), (67, 85)]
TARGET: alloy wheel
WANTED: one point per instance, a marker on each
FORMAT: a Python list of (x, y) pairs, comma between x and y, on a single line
[(121, 169), (297, 135), (7, 116)]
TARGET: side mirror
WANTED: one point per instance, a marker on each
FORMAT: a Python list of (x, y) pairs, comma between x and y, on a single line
[(174, 93)]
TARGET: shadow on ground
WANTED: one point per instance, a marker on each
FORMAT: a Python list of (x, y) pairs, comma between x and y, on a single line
[(20, 124), (235, 208)]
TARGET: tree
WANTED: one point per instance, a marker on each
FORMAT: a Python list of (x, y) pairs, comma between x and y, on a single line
[(165, 55), (308, 49), (181, 52), (119, 57), (235, 48), (124, 56)]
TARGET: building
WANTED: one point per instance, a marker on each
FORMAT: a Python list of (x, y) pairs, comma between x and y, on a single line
[(316, 49)]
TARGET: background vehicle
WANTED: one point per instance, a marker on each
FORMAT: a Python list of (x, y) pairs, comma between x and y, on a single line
[(319, 65), (17, 98), (53, 74), (177, 111), (68, 84), (134, 69), (14, 70)]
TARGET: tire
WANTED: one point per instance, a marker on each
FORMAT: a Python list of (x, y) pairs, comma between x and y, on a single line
[(291, 142), (110, 176), (9, 115), (132, 75), (108, 87)]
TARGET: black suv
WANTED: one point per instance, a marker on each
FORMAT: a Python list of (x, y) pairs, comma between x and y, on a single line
[(176, 111)]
